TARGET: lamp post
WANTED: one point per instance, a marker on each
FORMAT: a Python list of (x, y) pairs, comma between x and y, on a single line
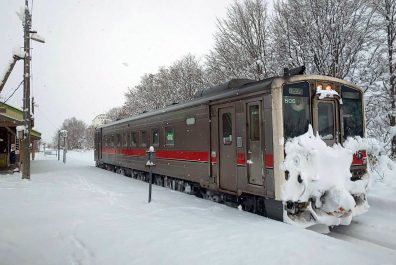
[(64, 135)]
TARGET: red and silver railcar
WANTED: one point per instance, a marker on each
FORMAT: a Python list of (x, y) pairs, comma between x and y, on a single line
[(227, 144)]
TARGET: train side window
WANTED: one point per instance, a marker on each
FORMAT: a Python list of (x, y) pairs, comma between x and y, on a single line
[(227, 128), (144, 139), (254, 115), (118, 140), (169, 136), (128, 140), (155, 137), (125, 140), (112, 141), (134, 139)]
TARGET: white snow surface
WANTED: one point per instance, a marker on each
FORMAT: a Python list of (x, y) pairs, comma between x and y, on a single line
[(326, 93), (321, 167), (75, 213)]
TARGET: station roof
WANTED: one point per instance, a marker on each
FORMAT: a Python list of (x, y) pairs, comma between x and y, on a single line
[(12, 117)]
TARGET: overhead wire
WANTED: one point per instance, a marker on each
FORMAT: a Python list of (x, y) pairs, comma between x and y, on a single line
[(12, 94)]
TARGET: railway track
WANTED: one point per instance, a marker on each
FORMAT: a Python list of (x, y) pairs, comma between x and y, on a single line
[(375, 229), (363, 240)]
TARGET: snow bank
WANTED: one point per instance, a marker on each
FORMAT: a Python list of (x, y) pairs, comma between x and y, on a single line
[(382, 169), (319, 178), (75, 213)]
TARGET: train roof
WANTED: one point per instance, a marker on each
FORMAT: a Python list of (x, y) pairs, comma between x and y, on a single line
[(234, 87), (231, 88)]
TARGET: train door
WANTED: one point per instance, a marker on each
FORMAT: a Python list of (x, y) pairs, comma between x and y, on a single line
[(326, 116), (227, 149), (254, 144)]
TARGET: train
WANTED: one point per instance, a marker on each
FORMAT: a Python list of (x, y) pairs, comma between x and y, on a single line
[(227, 144)]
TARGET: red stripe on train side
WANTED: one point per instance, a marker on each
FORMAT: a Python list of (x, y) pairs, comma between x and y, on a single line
[(269, 161), (183, 155), (133, 152), (241, 159), (109, 151), (162, 154), (213, 160)]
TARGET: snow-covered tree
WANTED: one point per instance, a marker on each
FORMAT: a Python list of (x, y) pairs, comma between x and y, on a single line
[(386, 9), (75, 133), (186, 78), (89, 136), (329, 37), (116, 113), (242, 43), (176, 83), (381, 103)]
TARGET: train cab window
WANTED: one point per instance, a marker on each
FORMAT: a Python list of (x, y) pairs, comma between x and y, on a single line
[(155, 137), (144, 139), (134, 139), (227, 128), (169, 136), (296, 110), (352, 112), (326, 120)]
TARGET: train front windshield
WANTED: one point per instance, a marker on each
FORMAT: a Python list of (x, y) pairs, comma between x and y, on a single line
[(296, 114), (352, 112)]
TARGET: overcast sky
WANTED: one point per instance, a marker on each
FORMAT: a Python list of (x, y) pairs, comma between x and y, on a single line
[(95, 49)]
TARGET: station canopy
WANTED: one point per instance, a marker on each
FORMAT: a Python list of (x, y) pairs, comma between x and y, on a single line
[(10, 117)]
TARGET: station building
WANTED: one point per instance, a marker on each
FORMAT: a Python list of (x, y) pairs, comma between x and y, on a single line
[(10, 118), (100, 119)]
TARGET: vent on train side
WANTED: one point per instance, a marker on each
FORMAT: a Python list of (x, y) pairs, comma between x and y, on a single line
[(229, 85)]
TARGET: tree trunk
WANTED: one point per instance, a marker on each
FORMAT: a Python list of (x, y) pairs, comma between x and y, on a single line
[(390, 19)]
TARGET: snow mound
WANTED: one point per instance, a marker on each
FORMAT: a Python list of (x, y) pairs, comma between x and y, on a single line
[(318, 177), (326, 93)]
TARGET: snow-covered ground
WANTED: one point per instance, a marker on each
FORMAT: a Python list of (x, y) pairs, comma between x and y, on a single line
[(79, 214)]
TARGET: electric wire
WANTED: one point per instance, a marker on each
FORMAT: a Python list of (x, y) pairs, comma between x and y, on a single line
[(12, 94)]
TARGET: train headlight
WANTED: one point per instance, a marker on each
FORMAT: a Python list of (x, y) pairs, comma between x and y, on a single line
[(328, 87), (319, 87)]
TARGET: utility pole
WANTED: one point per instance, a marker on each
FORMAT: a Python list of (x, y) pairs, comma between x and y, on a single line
[(26, 94)]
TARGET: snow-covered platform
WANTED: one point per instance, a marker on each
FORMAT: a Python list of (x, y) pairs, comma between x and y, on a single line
[(79, 214)]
